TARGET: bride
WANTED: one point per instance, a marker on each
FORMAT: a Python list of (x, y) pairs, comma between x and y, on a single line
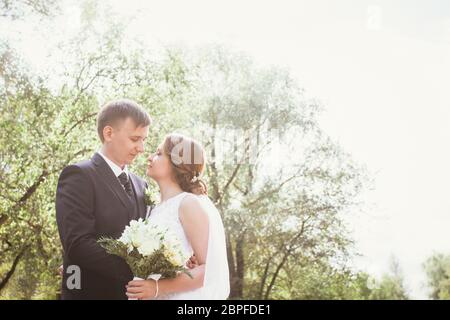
[(185, 209)]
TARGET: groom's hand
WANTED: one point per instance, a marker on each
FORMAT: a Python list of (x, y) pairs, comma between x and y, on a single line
[(192, 262)]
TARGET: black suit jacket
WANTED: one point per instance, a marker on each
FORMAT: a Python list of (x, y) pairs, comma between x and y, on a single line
[(90, 203)]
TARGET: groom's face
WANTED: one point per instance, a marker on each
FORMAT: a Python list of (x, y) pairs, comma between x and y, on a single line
[(126, 141)]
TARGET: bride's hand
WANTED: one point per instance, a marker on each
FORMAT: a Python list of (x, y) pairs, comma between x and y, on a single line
[(141, 289), (192, 262)]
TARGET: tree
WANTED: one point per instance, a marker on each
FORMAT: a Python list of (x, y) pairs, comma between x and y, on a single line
[(391, 286), (15, 9), (46, 127), (271, 220), (437, 269), (281, 184), (318, 280)]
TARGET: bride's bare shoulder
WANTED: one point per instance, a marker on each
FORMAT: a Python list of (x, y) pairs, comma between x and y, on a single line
[(191, 205)]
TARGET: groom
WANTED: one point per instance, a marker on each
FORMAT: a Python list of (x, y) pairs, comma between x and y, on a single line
[(99, 197)]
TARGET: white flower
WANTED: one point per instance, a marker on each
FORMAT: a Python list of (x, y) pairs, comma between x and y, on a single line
[(134, 235), (174, 251), (137, 234), (147, 237), (176, 258), (125, 238), (148, 247)]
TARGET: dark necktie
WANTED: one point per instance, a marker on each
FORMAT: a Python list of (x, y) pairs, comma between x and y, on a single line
[(123, 177)]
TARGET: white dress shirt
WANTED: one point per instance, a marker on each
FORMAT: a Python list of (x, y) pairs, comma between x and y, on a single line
[(114, 167)]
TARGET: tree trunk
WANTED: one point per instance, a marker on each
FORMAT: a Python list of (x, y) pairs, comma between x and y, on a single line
[(237, 279)]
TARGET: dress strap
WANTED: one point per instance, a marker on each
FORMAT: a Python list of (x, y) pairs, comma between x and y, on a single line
[(180, 198)]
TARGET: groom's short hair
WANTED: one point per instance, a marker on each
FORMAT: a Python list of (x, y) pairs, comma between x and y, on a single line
[(119, 110)]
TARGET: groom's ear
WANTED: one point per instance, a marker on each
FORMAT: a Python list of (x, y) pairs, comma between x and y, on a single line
[(107, 133)]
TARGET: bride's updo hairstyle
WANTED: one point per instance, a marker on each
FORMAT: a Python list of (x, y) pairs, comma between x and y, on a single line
[(188, 161)]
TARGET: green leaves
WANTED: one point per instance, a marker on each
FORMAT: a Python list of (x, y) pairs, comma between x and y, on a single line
[(141, 266), (150, 197), (280, 183), (437, 268)]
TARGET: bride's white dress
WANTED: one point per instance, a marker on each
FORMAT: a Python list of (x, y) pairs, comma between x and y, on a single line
[(216, 283)]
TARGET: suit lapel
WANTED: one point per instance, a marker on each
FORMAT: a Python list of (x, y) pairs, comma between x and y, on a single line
[(111, 180), (139, 191)]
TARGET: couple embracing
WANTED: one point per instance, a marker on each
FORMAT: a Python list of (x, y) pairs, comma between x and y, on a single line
[(99, 197)]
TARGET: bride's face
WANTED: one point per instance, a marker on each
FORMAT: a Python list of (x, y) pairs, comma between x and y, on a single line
[(158, 164)]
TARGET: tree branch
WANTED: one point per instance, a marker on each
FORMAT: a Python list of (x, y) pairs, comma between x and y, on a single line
[(283, 261), (230, 180), (264, 278), (11, 271), (90, 115), (32, 189), (276, 189)]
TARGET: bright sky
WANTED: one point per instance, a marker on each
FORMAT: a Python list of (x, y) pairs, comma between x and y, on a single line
[(381, 69)]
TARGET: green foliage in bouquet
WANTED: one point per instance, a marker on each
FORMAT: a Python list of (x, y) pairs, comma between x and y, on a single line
[(143, 266)]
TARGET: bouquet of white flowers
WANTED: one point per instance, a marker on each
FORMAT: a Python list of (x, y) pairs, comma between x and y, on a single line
[(150, 250)]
